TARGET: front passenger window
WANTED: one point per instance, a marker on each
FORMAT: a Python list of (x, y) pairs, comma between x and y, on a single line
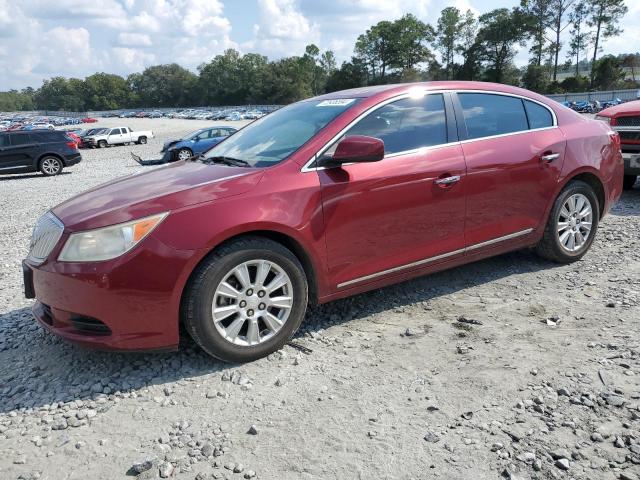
[(406, 124)]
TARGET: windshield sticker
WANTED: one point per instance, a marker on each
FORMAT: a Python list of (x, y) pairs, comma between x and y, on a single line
[(338, 102)]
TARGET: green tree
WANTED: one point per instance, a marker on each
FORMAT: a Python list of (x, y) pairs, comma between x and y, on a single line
[(164, 86), (538, 15), (351, 74), (59, 93), (500, 31), (398, 45), (469, 48), (447, 37), (559, 23), (579, 36), (579, 83), (604, 16), (104, 91), (536, 78), (607, 73)]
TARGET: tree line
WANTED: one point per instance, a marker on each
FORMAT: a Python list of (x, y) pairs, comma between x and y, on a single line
[(459, 46)]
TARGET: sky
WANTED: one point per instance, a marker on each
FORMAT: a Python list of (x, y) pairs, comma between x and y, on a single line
[(75, 38)]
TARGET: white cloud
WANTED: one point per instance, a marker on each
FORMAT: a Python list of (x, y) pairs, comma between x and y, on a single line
[(134, 39)]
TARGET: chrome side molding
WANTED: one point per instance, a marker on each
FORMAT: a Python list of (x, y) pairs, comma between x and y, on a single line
[(435, 258)]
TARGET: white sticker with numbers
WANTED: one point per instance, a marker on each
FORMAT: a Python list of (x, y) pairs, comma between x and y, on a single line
[(338, 102)]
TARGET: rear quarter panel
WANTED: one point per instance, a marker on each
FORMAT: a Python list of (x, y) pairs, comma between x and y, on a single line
[(592, 147)]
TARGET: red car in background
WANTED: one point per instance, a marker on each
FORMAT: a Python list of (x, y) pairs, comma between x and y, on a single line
[(625, 119), (322, 199), (89, 120)]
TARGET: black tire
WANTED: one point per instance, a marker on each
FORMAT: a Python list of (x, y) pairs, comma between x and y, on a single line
[(549, 246), (629, 181), (142, 140), (184, 151), (50, 166), (197, 301), (102, 144)]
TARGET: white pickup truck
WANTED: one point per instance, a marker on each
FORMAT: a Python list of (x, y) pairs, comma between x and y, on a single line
[(117, 136)]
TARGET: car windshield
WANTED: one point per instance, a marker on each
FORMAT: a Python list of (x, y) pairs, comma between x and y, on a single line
[(193, 135), (274, 137)]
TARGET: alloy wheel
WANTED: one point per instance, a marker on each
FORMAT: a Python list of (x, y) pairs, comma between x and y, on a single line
[(575, 222), (50, 166), (252, 302), (184, 154)]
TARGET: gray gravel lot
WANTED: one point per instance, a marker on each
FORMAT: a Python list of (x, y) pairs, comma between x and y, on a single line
[(512, 367)]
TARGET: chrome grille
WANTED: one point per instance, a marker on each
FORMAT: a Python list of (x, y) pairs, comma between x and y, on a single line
[(628, 121), (46, 234)]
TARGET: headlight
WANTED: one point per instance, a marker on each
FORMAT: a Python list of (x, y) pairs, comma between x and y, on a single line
[(604, 119), (108, 242)]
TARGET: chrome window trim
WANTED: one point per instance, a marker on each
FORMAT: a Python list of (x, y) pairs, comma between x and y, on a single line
[(308, 168), (435, 258)]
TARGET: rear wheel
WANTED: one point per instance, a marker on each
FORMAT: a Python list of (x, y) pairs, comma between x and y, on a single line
[(572, 224), (245, 300), (142, 140), (51, 166), (629, 181)]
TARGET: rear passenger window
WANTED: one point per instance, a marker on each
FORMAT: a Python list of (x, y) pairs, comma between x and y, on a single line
[(539, 116), (21, 139), (488, 114), (406, 124)]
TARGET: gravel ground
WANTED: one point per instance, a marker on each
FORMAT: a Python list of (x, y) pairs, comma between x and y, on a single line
[(512, 367)]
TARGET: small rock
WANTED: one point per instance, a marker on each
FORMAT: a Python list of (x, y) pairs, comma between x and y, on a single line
[(562, 464), (249, 474), (252, 430), (431, 437), (165, 469), (143, 465)]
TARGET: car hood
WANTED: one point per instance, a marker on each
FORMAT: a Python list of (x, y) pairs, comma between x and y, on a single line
[(627, 108), (174, 186)]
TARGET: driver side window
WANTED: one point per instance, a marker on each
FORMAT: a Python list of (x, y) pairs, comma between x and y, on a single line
[(406, 124)]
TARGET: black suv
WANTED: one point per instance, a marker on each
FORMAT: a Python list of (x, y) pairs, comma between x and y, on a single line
[(47, 151)]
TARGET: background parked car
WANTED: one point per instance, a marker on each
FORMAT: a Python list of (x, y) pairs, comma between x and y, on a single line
[(47, 151), (89, 120), (196, 142)]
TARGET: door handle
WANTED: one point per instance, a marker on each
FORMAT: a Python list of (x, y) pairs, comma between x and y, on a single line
[(550, 157), (448, 180)]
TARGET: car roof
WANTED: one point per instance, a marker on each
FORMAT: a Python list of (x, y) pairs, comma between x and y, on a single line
[(391, 90)]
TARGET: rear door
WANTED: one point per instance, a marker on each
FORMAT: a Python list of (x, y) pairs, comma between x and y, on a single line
[(514, 153), (396, 215)]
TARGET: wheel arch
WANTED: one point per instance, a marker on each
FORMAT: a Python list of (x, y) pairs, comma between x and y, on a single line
[(594, 182), (49, 154), (288, 241)]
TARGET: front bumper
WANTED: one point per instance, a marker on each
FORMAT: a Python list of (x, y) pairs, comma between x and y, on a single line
[(130, 303)]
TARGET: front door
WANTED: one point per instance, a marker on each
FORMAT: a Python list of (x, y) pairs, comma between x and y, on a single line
[(514, 155), (397, 214), (16, 152)]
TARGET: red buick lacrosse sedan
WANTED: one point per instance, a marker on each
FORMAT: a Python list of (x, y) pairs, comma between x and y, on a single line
[(322, 199)]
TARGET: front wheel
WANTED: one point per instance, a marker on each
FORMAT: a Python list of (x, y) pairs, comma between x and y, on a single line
[(245, 300), (572, 224), (102, 144), (629, 181)]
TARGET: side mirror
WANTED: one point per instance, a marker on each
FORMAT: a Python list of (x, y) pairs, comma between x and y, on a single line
[(358, 148)]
